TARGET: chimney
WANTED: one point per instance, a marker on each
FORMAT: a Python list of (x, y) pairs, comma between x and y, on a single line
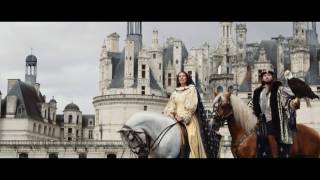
[(11, 106), (11, 83), (37, 87)]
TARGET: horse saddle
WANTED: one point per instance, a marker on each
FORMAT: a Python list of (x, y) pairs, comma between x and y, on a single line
[(185, 148)]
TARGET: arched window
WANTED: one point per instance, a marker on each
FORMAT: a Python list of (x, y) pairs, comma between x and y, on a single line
[(34, 127), (39, 128), (70, 119), (20, 111), (219, 89), (219, 69), (45, 130)]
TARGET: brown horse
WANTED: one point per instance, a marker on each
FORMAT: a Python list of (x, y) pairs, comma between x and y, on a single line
[(242, 124)]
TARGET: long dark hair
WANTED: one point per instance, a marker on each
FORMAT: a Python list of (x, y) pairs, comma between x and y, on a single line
[(189, 79)]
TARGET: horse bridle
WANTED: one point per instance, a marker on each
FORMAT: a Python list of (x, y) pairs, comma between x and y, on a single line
[(219, 117), (143, 147), (226, 117), (146, 147)]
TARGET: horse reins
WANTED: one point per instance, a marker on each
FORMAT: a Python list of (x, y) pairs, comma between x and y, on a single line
[(147, 145), (242, 137)]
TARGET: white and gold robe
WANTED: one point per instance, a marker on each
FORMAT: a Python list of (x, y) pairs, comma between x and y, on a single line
[(183, 103)]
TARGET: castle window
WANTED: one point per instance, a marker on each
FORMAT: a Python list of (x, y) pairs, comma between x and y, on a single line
[(154, 56), (69, 138), (220, 89), (143, 71), (82, 155), (39, 128), (227, 70), (111, 156), (190, 73), (169, 79), (70, 118), (90, 122), (49, 133), (249, 95), (159, 66), (69, 130), (78, 119), (90, 134), (34, 127), (45, 130), (130, 58), (177, 62), (23, 155), (53, 155), (20, 111), (145, 108), (318, 89), (53, 131), (143, 90), (77, 133), (45, 114)]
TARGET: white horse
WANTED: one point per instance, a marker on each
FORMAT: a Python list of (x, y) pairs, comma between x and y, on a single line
[(152, 135)]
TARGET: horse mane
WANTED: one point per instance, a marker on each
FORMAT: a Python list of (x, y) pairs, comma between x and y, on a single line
[(242, 113)]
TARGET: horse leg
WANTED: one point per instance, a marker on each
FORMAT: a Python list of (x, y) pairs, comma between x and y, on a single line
[(273, 146)]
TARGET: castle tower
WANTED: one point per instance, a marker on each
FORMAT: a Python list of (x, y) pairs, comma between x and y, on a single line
[(134, 33), (226, 52), (31, 70), (241, 38), (156, 54), (299, 32), (129, 62), (263, 63), (143, 73), (113, 42), (299, 52)]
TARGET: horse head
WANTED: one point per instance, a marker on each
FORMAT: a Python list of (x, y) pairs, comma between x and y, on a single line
[(136, 139), (222, 108)]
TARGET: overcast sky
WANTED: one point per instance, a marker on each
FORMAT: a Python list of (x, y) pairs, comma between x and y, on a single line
[(68, 52)]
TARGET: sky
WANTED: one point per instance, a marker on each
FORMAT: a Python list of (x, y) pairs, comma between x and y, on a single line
[(68, 52)]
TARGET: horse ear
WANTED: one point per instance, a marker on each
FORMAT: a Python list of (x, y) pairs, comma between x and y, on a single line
[(123, 129)]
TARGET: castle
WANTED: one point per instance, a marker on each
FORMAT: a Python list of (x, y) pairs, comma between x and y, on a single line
[(139, 78)]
